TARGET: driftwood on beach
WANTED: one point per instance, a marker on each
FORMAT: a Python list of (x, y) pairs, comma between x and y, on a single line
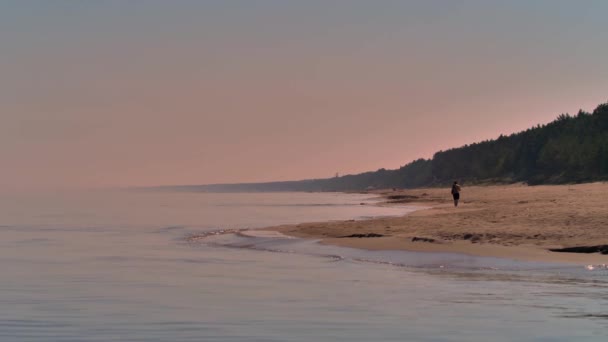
[(603, 249), (422, 239), (369, 235)]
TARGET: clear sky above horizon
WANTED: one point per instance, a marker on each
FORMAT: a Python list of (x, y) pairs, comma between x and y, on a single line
[(121, 93)]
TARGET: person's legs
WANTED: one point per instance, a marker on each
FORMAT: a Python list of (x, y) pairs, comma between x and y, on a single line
[(456, 198)]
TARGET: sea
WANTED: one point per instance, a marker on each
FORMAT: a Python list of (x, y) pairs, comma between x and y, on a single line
[(133, 265)]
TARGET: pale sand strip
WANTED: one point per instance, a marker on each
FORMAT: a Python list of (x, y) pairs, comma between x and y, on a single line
[(513, 221)]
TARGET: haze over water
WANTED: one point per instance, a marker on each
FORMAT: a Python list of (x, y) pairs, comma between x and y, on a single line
[(111, 266)]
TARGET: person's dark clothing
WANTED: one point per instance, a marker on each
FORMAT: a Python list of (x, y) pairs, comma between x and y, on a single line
[(456, 191)]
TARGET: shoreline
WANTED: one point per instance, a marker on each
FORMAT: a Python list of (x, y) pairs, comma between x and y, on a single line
[(516, 222)]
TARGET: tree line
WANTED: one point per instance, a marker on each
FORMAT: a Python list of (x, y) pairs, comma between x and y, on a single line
[(570, 149)]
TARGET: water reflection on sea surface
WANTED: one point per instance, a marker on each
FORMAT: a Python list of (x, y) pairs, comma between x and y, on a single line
[(120, 268)]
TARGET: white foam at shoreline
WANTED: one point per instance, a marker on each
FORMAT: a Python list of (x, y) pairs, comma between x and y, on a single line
[(265, 234)]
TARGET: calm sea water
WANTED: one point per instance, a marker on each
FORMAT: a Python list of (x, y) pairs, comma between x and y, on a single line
[(118, 266)]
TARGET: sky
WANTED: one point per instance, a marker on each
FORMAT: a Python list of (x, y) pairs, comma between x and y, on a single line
[(136, 93)]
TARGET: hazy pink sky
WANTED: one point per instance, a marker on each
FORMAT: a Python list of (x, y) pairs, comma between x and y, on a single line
[(185, 92)]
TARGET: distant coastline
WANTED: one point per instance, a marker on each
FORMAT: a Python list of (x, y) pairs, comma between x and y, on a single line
[(569, 150)]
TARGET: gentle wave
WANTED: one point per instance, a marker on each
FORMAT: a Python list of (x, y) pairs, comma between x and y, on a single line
[(276, 242), (289, 205)]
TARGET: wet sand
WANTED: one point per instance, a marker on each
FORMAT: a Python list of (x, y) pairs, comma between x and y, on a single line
[(509, 221)]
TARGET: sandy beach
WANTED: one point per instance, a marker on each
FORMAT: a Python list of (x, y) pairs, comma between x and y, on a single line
[(509, 221)]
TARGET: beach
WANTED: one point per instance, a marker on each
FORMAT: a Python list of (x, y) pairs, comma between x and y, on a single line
[(508, 221)]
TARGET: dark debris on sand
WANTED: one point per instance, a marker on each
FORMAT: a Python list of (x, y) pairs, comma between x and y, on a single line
[(603, 249), (369, 235)]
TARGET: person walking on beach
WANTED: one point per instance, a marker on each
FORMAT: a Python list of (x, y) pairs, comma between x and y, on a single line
[(456, 192)]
